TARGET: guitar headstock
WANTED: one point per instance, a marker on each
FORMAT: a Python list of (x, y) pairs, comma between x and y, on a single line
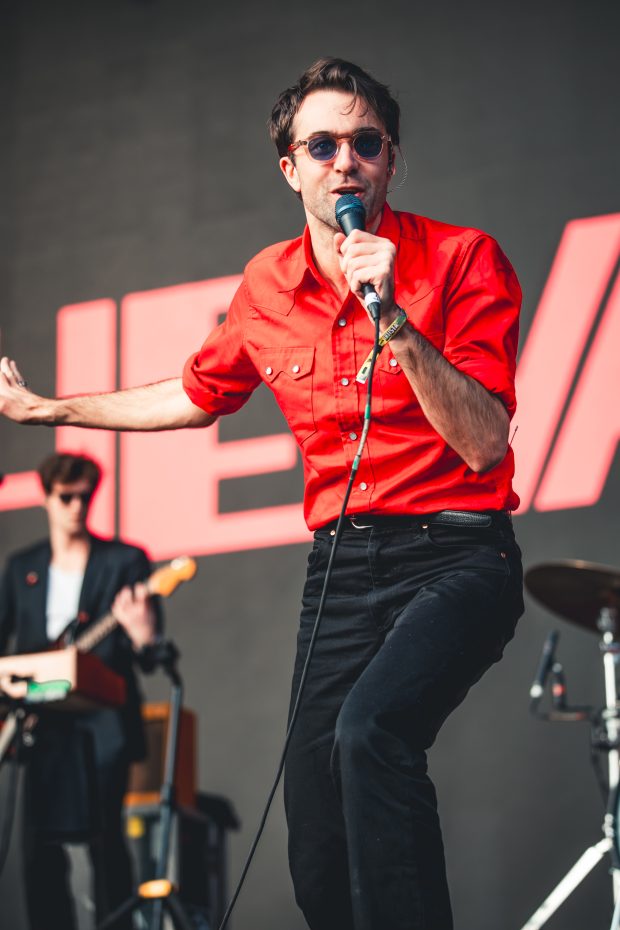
[(166, 579)]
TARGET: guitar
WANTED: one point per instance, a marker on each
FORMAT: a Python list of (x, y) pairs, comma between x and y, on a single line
[(163, 582)]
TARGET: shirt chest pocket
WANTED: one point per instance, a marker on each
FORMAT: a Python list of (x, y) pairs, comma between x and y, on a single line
[(289, 372)]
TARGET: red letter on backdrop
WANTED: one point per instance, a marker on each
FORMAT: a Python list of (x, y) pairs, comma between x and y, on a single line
[(584, 262), (586, 447), (169, 481), (85, 361)]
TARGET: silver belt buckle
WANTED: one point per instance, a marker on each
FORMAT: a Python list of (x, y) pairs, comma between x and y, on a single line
[(359, 526)]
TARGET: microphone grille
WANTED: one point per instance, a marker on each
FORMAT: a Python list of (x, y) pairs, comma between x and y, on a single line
[(349, 203)]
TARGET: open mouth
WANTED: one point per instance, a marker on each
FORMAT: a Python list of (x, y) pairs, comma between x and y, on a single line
[(348, 190)]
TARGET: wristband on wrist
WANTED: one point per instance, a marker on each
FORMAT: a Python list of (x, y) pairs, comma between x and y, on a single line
[(384, 338), (394, 327)]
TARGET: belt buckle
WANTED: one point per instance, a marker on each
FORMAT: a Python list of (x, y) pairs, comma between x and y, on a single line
[(359, 526)]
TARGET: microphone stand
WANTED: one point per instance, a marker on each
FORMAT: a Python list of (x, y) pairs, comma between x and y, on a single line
[(13, 735), (161, 891)]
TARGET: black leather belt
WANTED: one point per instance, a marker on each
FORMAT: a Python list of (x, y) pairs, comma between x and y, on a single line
[(496, 519)]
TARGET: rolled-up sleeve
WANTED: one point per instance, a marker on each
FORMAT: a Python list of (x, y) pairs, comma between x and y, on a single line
[(482, 319), (221, 377)]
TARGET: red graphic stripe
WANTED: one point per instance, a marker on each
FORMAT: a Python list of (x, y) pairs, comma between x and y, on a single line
[(585, 450), (581, 270)]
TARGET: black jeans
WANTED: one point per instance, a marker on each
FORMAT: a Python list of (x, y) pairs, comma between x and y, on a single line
[(49, 899), (417, 611)]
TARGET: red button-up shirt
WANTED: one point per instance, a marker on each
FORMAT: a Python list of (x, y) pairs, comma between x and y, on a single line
[(287, 328)]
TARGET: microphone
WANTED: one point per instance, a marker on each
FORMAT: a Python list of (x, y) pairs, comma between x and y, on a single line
[(547, 659), (350, 215)]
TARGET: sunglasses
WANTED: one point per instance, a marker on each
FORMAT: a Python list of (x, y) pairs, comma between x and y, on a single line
[(84, 496), (367, 144)]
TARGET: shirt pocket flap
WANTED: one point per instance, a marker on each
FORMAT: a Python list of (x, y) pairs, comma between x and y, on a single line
[(293, 361), (387, 362)]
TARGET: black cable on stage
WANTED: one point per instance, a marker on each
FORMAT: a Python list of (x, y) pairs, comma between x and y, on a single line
[(315, 631)]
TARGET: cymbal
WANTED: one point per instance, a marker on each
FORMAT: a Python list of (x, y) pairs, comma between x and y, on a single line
[(576, 590)]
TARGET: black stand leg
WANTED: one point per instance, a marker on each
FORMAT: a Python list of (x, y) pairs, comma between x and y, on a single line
[(160, 892)]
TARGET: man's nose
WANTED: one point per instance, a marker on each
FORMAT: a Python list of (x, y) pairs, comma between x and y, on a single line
[(345, 159)]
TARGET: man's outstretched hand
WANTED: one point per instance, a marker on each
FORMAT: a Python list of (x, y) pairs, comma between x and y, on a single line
[(16, 400)]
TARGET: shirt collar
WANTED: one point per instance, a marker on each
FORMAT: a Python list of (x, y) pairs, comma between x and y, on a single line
[(389, 227)]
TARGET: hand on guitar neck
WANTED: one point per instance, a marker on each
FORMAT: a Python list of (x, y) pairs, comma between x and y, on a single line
[(133, 610)]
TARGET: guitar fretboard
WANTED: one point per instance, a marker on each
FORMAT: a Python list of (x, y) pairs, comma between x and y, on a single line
[(90, 638)]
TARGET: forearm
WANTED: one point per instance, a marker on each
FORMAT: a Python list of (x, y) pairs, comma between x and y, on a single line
[(471, 420), (160, 406)]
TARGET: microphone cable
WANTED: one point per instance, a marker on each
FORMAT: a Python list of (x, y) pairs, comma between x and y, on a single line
[(295, 712)]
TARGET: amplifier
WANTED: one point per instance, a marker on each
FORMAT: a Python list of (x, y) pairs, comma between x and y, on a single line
[(146, 777)]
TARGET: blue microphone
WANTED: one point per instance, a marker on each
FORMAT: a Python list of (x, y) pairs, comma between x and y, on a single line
[(350, 215)]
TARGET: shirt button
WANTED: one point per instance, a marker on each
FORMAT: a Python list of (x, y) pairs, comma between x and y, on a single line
[(363, 486), (352, 435), (295, 368), (344, 382), (393, 362), (342, 322), (269, 370)]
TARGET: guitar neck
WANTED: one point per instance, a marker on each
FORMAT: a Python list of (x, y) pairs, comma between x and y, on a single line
[(162, 582), (92, 637)]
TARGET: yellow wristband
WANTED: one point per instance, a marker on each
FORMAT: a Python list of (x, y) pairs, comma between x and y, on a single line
[(384, 338), (393, 328)]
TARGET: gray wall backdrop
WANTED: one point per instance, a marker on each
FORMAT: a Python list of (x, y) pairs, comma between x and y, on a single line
[(133, 155)]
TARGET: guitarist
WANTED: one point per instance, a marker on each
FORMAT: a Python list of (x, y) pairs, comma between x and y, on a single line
[(77, 774)]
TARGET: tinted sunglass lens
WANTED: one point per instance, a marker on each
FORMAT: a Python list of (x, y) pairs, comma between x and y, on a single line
[(84, 497), (322, 148), (368, 144)]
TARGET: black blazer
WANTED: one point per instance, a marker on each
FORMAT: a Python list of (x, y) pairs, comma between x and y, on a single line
[(117, 735)]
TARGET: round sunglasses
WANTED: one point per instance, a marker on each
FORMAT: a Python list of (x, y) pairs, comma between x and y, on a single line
[(83, 496), (367, 144)]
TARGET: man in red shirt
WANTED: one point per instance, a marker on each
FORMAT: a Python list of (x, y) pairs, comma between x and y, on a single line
[(426, 588)]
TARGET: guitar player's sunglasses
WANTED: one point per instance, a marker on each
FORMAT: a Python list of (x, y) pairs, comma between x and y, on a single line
[(84, 496)]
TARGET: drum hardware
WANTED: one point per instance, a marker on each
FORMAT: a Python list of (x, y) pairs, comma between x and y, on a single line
[(588, 595)]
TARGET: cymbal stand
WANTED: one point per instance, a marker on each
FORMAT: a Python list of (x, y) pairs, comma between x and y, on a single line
[(607, 624)]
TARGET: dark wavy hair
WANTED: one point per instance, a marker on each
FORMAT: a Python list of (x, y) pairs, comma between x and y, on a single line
[(332, 74), (65, 468)]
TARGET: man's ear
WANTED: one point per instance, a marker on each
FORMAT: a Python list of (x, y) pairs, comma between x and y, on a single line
[(288, 169), (391, 160)]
